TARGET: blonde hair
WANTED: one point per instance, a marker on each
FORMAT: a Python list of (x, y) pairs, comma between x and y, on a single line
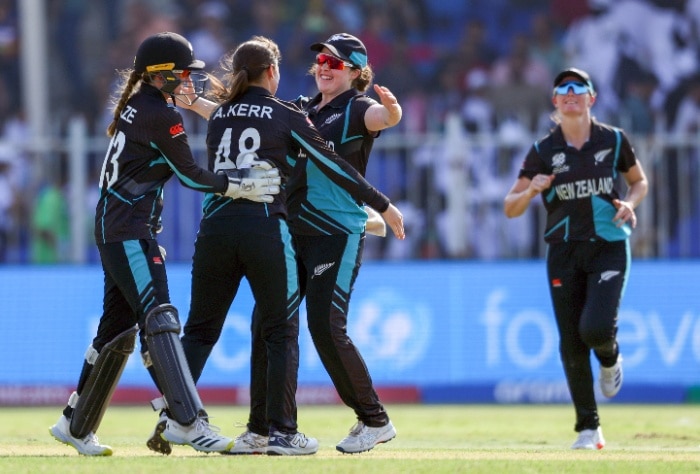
[(129, 81)]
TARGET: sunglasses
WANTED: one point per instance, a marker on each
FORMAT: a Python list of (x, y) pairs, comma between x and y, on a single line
[(577, 87), (332, 61)]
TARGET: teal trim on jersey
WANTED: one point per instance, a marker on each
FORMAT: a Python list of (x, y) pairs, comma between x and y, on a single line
[(628, 254), (320, 217), (346, 126), (345, 272), (550, 195), (102, 220), (212, 204), (319, 156), (185, 180), (565, 223), (617, 151), (603, 213), (139, 269), (120, 197), (334, 201), (291, 267), (311, 224)]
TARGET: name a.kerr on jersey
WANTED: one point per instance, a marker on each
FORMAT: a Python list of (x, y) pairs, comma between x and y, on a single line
[(243, 110), (584, 188)]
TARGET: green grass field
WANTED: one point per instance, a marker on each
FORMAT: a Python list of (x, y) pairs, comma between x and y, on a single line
[(431, 439)]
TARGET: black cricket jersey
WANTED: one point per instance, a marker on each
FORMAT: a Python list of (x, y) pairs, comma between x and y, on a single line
[(258, 124), (149, 147), (579, 202), (316, 205)]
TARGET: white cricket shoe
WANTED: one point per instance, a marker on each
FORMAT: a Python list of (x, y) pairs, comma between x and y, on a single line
[(88, 446), (589, 439), (249, 443), (291, 444), (199, 435), (363, 438), (611, 378)]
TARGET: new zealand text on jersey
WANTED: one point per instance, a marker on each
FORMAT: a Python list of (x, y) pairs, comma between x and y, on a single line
[(243, 110), (584, 188)]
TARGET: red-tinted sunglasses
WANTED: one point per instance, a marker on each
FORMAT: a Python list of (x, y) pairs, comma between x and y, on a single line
[(332, 61)]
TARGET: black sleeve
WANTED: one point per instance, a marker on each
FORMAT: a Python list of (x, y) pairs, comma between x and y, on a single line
[(174, 146), (628, 158), (533, 164)]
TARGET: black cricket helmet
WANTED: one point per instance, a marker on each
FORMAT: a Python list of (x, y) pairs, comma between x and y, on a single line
[(169, 54)]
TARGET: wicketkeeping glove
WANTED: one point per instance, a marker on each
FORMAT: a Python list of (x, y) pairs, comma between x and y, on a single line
[(255, 184)]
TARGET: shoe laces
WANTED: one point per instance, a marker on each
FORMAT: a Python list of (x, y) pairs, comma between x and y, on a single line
[(91, 438), (203, 426), (252, 439), (357, 429)]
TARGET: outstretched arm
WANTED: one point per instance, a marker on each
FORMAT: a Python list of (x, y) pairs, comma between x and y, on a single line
[(394, 219), (384, 115), (202, 107)]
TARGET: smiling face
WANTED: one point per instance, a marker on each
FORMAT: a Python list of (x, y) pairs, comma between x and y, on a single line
[(577, 99), (332, 82)]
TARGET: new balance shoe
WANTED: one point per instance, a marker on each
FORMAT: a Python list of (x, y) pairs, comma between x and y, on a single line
[(589, 439), (156, 442), (199, 435), (249, 443), (288, 444), (611, 378), (363, 438), (88, 446)]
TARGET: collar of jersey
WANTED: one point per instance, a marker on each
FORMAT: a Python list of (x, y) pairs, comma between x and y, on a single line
[(337, 103), (559, 143)]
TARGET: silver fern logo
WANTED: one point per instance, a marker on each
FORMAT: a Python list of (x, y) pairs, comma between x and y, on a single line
[(600, 156), (322, 268), (332, 118), (608, 275)]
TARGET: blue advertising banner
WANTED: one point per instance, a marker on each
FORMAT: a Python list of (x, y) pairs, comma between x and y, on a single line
[(444, 327)]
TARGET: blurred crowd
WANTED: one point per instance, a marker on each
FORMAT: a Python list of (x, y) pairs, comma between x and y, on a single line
[(482, 66)]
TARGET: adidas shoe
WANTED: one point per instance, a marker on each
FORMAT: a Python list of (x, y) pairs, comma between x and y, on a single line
[(291, 444), (611, 378), (156, 442), (589, 439), (363, 438), (88, 446), (199, 435), (249, 443)]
